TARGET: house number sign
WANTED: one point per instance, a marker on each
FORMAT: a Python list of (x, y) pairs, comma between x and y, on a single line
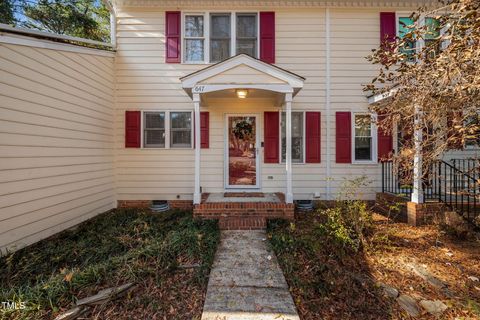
[(199, 89)]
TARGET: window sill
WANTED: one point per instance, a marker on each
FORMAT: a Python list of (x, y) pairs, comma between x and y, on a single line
[(293, 163), (365, 162)]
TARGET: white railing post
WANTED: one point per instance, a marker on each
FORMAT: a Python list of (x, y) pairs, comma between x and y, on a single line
[(197, 196), (288, 160), (417, 194)]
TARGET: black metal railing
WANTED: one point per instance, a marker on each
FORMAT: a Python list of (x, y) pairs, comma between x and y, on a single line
[(395, 180), (456, 184), (469, 166)]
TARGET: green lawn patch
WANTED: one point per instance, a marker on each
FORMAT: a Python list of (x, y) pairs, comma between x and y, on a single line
[(155, 251)]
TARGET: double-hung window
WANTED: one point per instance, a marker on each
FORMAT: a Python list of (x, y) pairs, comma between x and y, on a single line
[(363, 142), (220, 36), (167, 129), (154, 129), (406, 24), (472, 124), (246, 33), (180, 129), (194, 38), (216, 36), (298, 132)]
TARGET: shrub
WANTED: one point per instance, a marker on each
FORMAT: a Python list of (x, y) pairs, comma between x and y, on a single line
[(349, 221)]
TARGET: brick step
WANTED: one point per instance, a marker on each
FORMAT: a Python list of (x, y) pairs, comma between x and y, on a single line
[(244, 210), (242, 223)]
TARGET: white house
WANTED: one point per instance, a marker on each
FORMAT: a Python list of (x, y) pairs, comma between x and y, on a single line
[(196, 98)]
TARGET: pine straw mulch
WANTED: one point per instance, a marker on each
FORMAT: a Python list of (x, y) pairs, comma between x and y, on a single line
[(167, 256), (328, 283)]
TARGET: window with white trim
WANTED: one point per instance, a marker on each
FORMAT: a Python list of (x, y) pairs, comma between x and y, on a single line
[(247, 34), (363, 138), (167, 129), (180, 129), (154, 129), (194, 38), (406, 24), (220, 36), (472, 123), (216, 36), (298, 134)]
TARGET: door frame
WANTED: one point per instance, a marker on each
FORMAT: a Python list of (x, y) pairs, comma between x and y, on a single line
[(226, 162)]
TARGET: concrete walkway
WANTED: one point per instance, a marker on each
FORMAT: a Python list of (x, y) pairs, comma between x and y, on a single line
[(246, 281)]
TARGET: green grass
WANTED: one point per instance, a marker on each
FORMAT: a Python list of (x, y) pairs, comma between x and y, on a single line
[(114, 248)]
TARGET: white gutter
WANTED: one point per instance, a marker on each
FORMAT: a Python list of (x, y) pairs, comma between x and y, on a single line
[(49, 35)]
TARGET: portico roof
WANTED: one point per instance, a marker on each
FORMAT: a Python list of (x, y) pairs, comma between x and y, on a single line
[(242, 71)]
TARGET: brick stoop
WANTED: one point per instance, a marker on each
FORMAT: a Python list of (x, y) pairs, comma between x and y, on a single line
[(244, 215)]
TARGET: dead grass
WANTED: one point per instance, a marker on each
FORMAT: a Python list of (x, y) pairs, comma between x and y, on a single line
[(329, 285), (112, 249)]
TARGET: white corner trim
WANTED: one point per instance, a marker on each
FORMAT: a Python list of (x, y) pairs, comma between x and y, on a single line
[(327, 104), (9, 38)]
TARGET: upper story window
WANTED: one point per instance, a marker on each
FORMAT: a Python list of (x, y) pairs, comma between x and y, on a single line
[(406, 24), (247, 33), (194, 37), (216, 36), (220, 36)]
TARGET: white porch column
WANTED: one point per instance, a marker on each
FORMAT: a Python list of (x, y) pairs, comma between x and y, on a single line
[(197, 196), (417, 194), (288, 160)]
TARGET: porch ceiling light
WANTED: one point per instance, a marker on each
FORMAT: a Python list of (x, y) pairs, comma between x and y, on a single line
[(242, 93)]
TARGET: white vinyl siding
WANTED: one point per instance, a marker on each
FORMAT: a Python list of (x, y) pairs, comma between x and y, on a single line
[(56, 150), (145, 82)]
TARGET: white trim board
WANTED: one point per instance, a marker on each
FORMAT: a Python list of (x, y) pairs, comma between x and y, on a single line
[(206, 14), (294, 82), (9, 38)]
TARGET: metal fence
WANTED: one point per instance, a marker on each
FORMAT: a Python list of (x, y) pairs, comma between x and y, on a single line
[(456, 184)]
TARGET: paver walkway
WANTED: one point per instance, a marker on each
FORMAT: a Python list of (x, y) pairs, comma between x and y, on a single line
[(246, 281)]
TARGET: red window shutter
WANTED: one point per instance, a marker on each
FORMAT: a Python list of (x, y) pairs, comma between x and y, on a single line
[(312, 130), (388, 27), (343, 137), (204, 130), (267, 37), (271, 137), (132, 129), (385, 143), (172, 37)]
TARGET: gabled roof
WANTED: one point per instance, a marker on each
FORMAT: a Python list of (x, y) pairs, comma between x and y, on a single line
[(294, 80)]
